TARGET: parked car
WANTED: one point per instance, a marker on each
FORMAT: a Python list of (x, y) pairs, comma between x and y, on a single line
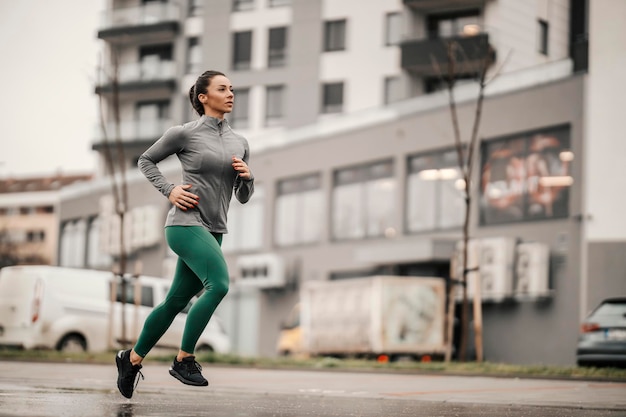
[(70, 309), (602, 340)]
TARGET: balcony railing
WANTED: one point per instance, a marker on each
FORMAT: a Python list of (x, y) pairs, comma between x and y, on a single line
[(139, 75), (429, 57), (150, 17), (132, 131)]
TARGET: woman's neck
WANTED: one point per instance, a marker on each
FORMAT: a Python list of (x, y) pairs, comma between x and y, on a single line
[(214, 114)]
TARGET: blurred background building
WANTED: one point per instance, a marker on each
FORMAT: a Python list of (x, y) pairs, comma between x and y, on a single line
[(354, 159), (29, 218)]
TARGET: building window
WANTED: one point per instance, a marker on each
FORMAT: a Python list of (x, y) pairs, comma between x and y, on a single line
[(194, 56), (435, 192), (332, 98), (35, 236), (242, 54), (363, 201), (277, 50), (526, 176), (151, 60), (299, 215), (278, 3), (73, 239), (454, 24), (393, 28), (393, 90), (153, 118), (543, 32), (335, 35), (195, 7), (44, 210), (239, 117), (245, 224), (274, 104), (96, 257), (162, 52), (242, 5)]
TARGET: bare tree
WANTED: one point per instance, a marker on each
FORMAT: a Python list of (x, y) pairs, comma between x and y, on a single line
[(458, 62), (117, 174)]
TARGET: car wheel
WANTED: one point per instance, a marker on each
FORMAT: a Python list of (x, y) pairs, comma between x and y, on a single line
[(72, 343)]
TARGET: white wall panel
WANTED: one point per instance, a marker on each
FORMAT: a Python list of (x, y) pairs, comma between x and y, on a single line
[(605, 147)]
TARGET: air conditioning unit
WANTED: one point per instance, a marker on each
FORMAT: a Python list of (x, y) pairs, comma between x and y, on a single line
[(496, 268), (532, 270), (261, 271)]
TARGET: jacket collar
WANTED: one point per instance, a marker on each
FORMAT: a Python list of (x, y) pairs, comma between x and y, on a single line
[(213, 121)]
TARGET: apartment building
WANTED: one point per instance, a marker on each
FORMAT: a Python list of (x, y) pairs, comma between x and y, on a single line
[(29, 218), (352, 149)]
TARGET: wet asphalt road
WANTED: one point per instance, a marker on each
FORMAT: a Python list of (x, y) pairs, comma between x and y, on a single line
[(42, 390)]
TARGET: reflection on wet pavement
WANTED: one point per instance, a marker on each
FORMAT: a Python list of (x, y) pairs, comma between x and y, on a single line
[(74, 403)]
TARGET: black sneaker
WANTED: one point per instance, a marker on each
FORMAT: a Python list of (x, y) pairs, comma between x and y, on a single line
[(188, 372), (127, 373)]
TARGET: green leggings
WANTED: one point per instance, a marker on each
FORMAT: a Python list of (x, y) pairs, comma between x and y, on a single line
[(200, 265)]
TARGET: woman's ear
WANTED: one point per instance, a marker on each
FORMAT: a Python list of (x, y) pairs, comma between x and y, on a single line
[(203, 98)]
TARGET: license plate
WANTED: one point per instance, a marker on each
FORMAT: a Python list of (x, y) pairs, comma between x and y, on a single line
[(616, 334)]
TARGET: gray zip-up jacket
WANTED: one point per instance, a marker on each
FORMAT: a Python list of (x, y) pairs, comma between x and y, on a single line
[(205, 148)]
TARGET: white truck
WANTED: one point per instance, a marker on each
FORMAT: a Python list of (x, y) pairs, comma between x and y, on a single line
[(70, 309), (380, 315)]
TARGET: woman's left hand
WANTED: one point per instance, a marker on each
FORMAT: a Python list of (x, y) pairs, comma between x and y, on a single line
[(242, 168)]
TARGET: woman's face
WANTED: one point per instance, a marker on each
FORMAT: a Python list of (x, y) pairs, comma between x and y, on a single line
[(219, 97)]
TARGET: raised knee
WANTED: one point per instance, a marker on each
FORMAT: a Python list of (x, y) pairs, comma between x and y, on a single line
[(221, 289)]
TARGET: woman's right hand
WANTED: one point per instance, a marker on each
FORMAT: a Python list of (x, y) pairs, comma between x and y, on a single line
[(183, 199)]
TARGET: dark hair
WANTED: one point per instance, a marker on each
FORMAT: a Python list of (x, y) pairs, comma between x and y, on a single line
[(201, 87)]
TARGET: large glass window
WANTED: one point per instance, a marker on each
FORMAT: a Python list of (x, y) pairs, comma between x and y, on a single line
[(526, 176), (435, 192), (96, 258), (245, 224), (277, 48), (335, 35), (239, 117), (299, 215), (242, 52), (332, 98), (274, 104), (364, 201), (73, 239)]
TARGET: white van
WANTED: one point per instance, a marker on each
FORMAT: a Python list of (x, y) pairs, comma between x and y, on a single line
[(68, 309)]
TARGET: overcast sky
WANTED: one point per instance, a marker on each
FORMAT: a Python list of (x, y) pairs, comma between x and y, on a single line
[(48, 109)]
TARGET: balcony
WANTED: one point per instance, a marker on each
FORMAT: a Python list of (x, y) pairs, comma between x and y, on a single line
[(429, 57), (132, 132), (442, 5), (151, 21), (152, 75)]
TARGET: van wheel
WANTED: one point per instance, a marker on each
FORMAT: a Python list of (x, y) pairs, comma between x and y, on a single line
[(72, 343), (204, 349)]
